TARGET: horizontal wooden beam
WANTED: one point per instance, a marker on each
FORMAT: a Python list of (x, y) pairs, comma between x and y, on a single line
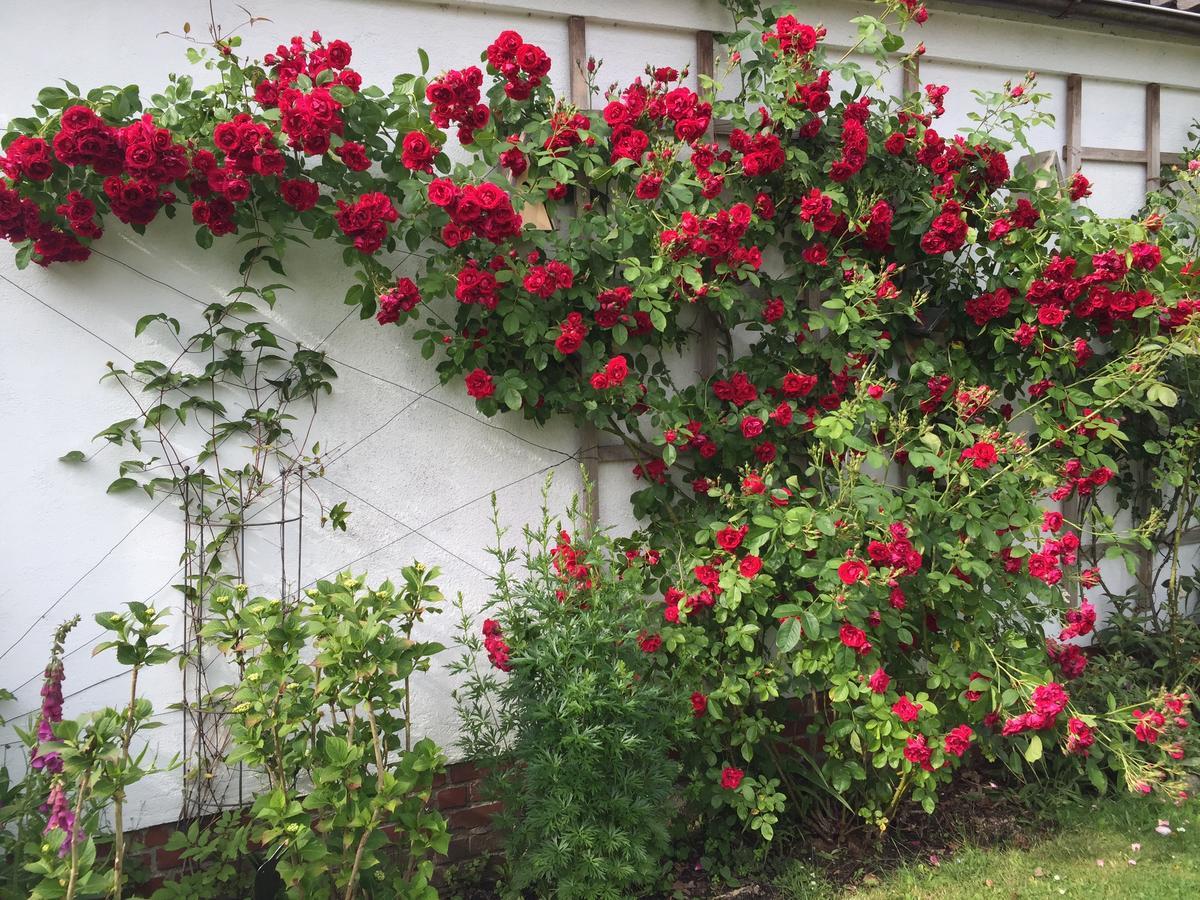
[(619, 453), (1112, 154)]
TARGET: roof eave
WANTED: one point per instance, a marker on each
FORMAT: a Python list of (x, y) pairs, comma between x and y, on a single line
[(1124, 13)]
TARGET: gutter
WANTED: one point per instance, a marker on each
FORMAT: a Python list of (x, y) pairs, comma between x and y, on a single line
[(1127, 13)]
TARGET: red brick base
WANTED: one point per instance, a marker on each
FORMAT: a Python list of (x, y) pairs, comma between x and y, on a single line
[(456, 794)]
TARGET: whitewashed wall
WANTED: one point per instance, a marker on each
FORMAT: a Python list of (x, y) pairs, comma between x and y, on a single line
[(422, 464)]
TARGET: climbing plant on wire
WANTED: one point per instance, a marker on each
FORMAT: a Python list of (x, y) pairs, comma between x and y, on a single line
[(223, 426), (921, 355)]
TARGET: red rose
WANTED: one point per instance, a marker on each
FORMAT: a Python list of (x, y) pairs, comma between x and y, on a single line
[(354, 155), (958, 741), (906, 710), (730, 538), (338, 53), (299, 193), (852, 571), (750, 566), (854, 638), (649, 187), (752, 426), (731, 778), (616, 370), (480, 384), (879, 681)]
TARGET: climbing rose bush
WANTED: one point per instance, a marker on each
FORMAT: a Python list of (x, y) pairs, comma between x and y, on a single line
[(863, 517)]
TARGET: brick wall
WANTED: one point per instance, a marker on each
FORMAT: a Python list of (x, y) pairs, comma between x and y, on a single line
[(456, 794)]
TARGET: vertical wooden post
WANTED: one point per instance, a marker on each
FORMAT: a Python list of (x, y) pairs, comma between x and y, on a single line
[(1153, 149), (912, 75), (577, 51), (705, 62), (589, 438), (1074, 145), (706, 349)]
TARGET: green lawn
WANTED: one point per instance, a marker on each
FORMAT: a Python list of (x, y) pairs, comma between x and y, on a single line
[(1107, 850)]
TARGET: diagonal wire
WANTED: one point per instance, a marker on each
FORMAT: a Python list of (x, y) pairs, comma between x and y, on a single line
[(343, 566), (340, 362), (74, 322), (80, 579), (418, 529), (388, 515), (101, 634)]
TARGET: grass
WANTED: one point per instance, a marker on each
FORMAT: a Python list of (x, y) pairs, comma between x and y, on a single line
[(1066, 862)]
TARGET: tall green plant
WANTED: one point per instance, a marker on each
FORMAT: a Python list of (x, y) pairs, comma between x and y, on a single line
[(571, 715)]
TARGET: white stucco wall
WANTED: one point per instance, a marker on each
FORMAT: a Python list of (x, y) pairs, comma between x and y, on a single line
[(421, 463)]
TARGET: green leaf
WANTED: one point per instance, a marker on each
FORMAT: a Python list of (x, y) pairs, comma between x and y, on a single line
[(74, 456), (789, 635), (53, 98), (121, 484), (1034, 751)]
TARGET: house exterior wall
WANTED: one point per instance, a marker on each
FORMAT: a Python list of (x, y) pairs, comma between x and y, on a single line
[(419, 463)]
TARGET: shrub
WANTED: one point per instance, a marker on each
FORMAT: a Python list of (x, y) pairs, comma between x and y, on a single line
[(578, 729), (345, 808)]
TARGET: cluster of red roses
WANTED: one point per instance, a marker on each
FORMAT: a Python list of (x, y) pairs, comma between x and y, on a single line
[(27, 158), (476, 285), (545, 281), (947, 232), (366, 220), (249, 149), (1076, 481), (1023, 216), (658, 106), (917, 751), (21, 220), (309, 117), (1163, 724), (482, 210), (567, 563), (398, 300), (289, 62), (616, 370), (989, 306), (148, 155), (716, 238), (455, 98), (510, 56), (497, 650), (855, 141), (1058, 292), (792, 36), (1045, 704), (762, 153)]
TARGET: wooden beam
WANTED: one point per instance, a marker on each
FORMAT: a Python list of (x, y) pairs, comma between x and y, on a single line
[(1071, 152), (1153, 150), (619, 453), (589, 438), (705, 62), (706, 350), (577, 53), (1112, 154), (912, 75)]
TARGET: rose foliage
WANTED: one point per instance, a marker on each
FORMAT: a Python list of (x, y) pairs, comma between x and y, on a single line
[(862, 520)]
